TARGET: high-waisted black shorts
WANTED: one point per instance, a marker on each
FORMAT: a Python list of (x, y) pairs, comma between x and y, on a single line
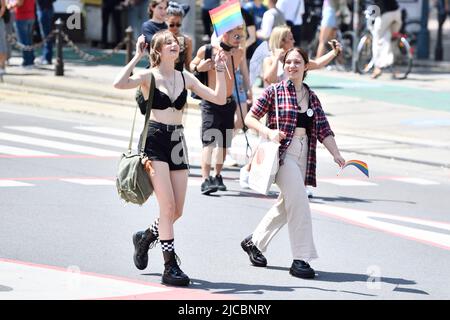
[(166, 143)]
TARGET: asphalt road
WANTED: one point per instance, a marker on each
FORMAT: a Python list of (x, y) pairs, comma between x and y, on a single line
[(387, 237)]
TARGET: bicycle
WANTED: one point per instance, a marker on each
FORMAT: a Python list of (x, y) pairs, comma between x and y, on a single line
[(403, 52)]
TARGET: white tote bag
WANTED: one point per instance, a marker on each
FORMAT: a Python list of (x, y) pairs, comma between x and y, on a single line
[(264, 164)]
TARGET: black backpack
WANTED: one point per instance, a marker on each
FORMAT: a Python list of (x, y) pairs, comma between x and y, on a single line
[(203, 76)]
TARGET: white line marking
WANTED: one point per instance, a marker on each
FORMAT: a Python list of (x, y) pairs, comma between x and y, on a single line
[(110, 131), (91, 182), (57, 145), (15, 151), (419, 181), (32, 282), (367, 219), (71, 136), (348, 182), (12, 183)]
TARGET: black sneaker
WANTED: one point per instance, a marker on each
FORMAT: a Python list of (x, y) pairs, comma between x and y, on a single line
[(208, 186), (302, 269), (256, 257), (218, 182), (142, 241)]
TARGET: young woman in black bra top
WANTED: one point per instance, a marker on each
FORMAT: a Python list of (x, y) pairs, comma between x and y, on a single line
[(165, 145)]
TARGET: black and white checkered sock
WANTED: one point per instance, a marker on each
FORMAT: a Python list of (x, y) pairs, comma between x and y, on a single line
[(154, 228), (167, 245)]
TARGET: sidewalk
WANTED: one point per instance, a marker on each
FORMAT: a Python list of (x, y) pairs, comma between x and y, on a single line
[(405, 120)]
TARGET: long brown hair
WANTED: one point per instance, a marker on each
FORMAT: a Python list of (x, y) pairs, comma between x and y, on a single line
[(304, 55), (158, 40), (152, 4)]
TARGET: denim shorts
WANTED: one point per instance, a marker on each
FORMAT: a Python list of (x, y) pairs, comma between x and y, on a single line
[(329, 18)]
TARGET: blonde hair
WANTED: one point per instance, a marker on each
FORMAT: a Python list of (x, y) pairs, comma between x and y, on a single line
[(158, 40), (278, 35)]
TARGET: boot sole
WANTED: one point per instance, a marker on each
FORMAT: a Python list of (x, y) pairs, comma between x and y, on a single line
[(135, 240), (303, 275), (253, 263), (177, 283), (211, 190)]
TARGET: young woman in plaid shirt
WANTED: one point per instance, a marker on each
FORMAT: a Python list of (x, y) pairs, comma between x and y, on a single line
[(302, 122)]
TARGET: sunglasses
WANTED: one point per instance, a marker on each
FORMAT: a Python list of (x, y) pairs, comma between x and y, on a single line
[(174, 25), (237, 37)]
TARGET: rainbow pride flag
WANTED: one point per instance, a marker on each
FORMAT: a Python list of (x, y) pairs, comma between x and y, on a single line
[(226, 17), (358, 164)]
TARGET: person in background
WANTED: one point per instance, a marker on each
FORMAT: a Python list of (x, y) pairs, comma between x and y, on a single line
[(175, 15), (328, 25), (389, 21), (218, 120), (256, 9), (157, 12), (293, 11), (111, 8), (24, 21), (137, 15), (45, 11), (206, 19), (3, 46), (302, 122), (272, 18)]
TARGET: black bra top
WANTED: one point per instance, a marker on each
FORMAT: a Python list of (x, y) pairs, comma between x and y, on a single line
[(161, 101), (303, 121)]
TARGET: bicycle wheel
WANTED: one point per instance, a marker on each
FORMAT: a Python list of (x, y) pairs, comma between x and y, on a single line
[(344, 60), (364, 61), (403, 59)]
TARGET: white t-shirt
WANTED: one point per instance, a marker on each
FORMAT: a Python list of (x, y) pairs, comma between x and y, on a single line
[(289, 8), (268, 22)]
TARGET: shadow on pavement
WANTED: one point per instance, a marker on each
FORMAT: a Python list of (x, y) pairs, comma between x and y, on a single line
[(354, 200)]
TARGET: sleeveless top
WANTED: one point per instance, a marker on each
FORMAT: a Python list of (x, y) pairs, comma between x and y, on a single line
[(161, 101)]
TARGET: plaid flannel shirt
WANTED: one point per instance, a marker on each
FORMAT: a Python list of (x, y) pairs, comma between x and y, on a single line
[(287, 107)]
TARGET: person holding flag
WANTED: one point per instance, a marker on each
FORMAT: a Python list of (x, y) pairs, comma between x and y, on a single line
[(218, 120), (302, 123)]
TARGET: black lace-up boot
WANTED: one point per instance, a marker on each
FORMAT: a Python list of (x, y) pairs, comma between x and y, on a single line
[(173, 275), (142, 241)]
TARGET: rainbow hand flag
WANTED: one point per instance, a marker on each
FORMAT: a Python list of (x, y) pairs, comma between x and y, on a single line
[(226, 17), (359, 164)]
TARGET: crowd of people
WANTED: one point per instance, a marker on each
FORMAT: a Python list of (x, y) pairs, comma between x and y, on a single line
[(218, 74)]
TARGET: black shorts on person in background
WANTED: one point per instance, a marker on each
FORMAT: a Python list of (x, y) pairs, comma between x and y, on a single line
[(166, 143), (218, 123)]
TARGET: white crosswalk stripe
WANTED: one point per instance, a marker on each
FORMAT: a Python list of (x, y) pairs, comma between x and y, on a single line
[(419, 181), (109, 131), (57, 145), (13, 183), (91, 182), (71, 136), (23, 151)]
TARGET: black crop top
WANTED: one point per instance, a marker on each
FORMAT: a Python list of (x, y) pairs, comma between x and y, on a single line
[(303, 121), (161, 101)]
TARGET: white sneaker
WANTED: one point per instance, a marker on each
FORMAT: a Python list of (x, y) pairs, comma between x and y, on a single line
[(230, 162), (28, 67), (41, 61), (309, 193)]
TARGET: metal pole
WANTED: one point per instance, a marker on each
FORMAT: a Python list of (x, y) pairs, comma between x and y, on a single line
[(129, 44), (423, 40), (439, 51), (356, 24), (59, 66)]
